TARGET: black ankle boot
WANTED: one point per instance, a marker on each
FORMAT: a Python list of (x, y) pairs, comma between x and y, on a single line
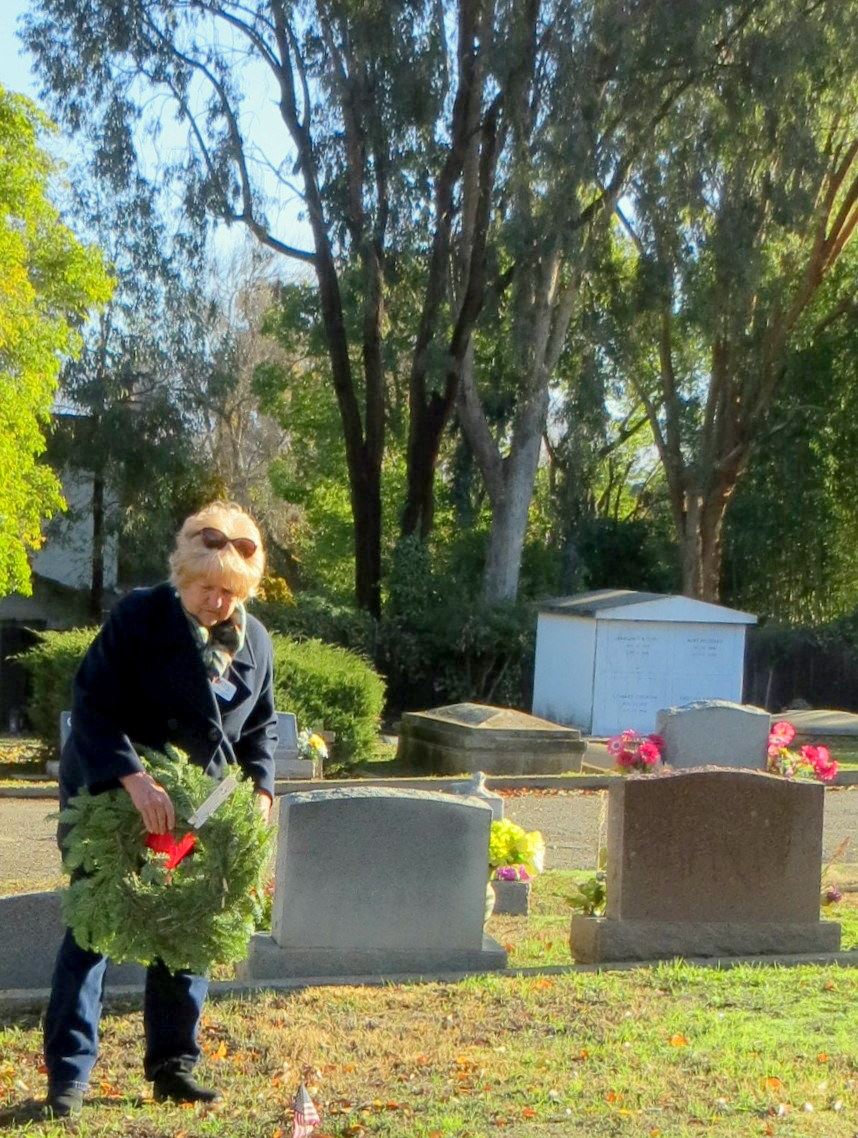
[(64, 1101), (180, 1086)]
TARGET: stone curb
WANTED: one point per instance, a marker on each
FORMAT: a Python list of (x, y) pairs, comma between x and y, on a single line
[(493, 782), (22, 1000)]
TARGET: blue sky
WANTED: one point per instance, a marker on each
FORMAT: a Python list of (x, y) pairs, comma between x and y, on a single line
[(17, 74), (15, 64)]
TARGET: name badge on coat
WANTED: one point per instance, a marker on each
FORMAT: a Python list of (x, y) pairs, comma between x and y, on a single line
[(224, 689)]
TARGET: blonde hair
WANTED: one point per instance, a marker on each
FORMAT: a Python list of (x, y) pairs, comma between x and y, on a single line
[(191, 559)]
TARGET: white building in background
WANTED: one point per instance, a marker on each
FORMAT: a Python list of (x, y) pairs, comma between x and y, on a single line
[(611, 659), (66, 556)]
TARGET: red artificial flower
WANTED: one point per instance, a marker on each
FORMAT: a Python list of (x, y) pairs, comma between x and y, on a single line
[(657, 741), (625, 759), (648, 752), (176, 851)]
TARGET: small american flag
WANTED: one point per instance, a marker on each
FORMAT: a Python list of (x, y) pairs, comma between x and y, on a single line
[(305, 1117)]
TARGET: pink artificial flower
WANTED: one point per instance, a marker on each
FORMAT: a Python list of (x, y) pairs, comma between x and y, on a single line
[(774, 750), (782, 733), (615, 744), (629, 735), (625, 759), (648, 752), (810, 754), (657, 741), (823, 764)]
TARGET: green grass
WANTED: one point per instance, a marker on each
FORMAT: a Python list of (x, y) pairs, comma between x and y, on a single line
[(672, 1051)]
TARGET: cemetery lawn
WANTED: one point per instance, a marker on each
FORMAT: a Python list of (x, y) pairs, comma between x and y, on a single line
[(672, 1051)]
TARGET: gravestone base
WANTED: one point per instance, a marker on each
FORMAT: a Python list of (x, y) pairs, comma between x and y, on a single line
[(266, 960), (297, 768), (31, 931), (512, 898), (597, 940)]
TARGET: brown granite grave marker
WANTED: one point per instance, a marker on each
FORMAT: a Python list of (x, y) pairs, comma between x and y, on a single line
[(710, 862)]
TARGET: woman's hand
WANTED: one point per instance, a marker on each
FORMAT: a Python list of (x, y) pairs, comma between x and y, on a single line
[(263, 804), (152, 801)]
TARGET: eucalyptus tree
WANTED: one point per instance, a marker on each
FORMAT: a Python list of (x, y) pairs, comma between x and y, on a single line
[(736, 224), (362, 113), (588, 87)]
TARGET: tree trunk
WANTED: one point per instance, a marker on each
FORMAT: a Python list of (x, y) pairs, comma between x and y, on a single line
[(700, 545), (96, 590), (510, 511)]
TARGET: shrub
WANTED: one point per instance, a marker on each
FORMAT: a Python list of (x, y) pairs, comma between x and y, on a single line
[(320, 683), (308, 616), (51, 664), (327, 685)]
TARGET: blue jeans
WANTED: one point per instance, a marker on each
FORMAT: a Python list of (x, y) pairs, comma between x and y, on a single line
[(171, 1014)]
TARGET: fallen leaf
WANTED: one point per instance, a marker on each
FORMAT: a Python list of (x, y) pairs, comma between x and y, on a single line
[(528, 1112), (772, 1083), (614, 1096), (679, 1040), (822, 1057), (543, 982)]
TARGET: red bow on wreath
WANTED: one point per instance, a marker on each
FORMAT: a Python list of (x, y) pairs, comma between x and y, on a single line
[(176, 851)]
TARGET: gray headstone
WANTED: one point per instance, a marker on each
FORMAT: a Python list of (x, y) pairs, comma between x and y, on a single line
[(287, 764), (65, 727), (714, 733), (31, 929), (710, 862), (287, 735), (375, 881)]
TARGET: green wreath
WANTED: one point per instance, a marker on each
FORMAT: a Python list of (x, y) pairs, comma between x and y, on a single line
[(124, 902)]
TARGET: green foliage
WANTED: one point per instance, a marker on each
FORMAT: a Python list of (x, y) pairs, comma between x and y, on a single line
[(590, 896), (52, 663), (792, 531), (330, 687), (311, 616), (438, 642), (630, 554), (48, 282), (122, 901), (511, 844)]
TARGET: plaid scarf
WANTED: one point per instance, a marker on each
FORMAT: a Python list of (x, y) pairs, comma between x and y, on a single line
[(219, 644)]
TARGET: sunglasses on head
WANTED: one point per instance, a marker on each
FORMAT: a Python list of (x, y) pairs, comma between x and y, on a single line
[(217, 539)]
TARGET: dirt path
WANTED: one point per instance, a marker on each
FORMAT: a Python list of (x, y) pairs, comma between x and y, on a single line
[(569, 823)]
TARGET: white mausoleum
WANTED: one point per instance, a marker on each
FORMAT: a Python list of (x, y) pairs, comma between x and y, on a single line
[(611, 659)]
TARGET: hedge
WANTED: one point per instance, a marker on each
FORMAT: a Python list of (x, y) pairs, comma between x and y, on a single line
[(51, 664), (330, 687), (323, 686)]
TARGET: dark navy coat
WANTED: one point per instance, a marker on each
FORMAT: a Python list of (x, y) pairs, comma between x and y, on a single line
[(143, 681)]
